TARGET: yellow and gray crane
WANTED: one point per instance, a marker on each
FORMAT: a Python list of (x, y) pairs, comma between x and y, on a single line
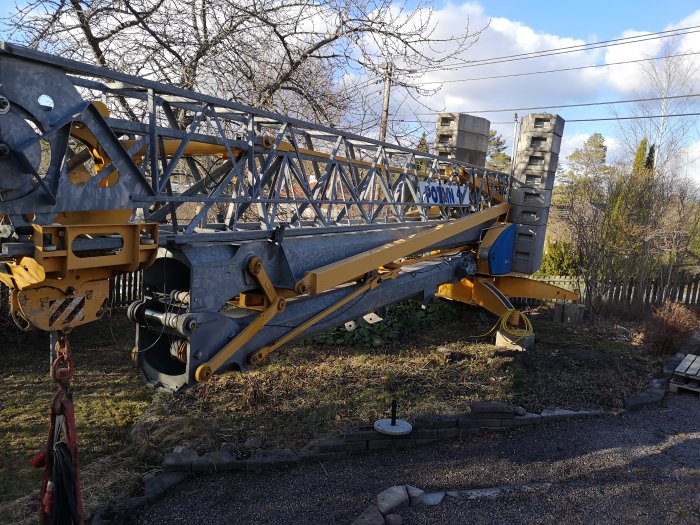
[(252, 228)]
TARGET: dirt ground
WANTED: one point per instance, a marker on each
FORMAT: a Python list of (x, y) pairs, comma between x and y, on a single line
[(640, 467), (311, 389)]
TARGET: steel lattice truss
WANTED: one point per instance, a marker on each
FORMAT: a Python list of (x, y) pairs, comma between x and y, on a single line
[(191, 160)]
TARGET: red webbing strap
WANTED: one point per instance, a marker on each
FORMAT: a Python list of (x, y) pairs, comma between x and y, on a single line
[(61, 405)]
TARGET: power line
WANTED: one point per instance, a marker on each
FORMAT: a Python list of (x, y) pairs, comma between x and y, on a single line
[(555, 70), (580, 105), (603, 43), (631, 117), (556, 51), (639, 117), (573, 49)]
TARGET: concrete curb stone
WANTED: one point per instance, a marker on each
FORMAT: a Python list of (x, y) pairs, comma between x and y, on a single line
[(224, 461), (363, 433), (307, 456), (179, 460), (161, 483), (448, 433), (335, 444), (415, 495), (433, 498), (489, 407), (435, 421), (271, 459), (650, 396), (556, 414)]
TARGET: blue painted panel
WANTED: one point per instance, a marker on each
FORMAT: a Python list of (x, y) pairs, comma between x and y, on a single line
[(501, 253)]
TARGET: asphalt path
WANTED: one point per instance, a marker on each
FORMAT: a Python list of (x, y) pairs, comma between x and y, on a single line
[(639, 467)]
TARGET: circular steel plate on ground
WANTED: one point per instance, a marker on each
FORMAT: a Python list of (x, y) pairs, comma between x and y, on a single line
[(401, 428)]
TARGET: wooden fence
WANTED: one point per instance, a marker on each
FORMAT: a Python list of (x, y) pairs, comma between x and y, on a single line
[(621, 294), (127, 288)]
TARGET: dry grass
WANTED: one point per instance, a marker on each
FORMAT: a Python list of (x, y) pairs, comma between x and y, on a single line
[(668, 325), (313, 390), (305, 392), (109, 398)]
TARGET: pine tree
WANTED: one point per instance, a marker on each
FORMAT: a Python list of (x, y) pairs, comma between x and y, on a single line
[(589, 159), (422, 165), (423, 143), (649, 162), (496, 159)]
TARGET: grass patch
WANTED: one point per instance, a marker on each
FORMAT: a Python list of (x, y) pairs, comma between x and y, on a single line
[(109, 395), (321, 387), (305, 392)]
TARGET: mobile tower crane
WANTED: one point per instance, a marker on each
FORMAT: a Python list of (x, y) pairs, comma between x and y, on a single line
[(253, 228)]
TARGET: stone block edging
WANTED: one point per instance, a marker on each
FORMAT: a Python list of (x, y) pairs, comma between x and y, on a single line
[(184, 462), (427, 429)]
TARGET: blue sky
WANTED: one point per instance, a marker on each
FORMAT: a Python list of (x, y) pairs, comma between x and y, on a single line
[(6, 6), (592, 19)]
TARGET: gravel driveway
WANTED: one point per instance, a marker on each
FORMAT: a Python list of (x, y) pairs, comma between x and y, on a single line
[(640, 467)]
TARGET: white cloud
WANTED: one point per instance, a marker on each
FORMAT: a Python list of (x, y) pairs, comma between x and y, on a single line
[(502, 38), (626, 78), (569, 143), (690, 42), (505, 37)]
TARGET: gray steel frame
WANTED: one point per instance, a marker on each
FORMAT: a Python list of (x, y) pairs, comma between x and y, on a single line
[(366, 195), (264, 178)]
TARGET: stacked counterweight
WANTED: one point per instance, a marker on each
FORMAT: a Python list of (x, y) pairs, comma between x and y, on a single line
[(463, 137), (536, 161)]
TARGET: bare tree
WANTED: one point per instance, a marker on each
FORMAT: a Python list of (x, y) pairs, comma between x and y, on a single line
[(669, 81), (307, 59), (587, 197)]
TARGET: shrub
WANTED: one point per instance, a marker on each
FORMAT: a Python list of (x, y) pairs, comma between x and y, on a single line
[(668, 325), (559, 258)]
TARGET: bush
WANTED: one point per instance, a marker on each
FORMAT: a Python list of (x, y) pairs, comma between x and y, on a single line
[(559, 258), (668, 325)]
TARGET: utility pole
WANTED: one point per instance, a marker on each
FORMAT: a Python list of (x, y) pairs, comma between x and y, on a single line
[(514, 147), (385, 108)]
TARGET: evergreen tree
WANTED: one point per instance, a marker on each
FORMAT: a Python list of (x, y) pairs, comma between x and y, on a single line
[(638, 165), (423, 143), (649, 162), (496, 158), (589, 159), (422, 165)]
